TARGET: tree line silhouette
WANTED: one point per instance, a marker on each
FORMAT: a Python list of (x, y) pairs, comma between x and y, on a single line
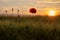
[(31, 10), (6, 11)]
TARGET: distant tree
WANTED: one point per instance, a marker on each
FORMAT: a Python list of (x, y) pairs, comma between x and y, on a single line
[(6, 11), (12, 11), (18, 11), (33, 11)]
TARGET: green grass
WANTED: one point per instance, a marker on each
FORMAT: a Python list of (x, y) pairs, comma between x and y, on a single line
[(29, 28)]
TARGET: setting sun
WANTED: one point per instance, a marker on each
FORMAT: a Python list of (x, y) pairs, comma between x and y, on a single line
[(51, 13)]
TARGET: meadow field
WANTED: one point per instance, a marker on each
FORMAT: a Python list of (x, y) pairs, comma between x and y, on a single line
[(29, 28)]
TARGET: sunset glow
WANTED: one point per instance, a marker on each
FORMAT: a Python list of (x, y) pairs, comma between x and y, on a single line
[(43, 7), (51, 13)]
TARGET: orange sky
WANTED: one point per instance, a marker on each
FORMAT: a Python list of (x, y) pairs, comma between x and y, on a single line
[(42, 6)]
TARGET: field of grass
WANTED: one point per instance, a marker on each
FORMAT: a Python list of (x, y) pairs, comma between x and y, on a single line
[(29, 28)]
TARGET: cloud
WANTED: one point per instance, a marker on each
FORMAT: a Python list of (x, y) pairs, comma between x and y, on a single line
[(30, 3), (48, 4), (49, 0), (17, 2), (4, 0)]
